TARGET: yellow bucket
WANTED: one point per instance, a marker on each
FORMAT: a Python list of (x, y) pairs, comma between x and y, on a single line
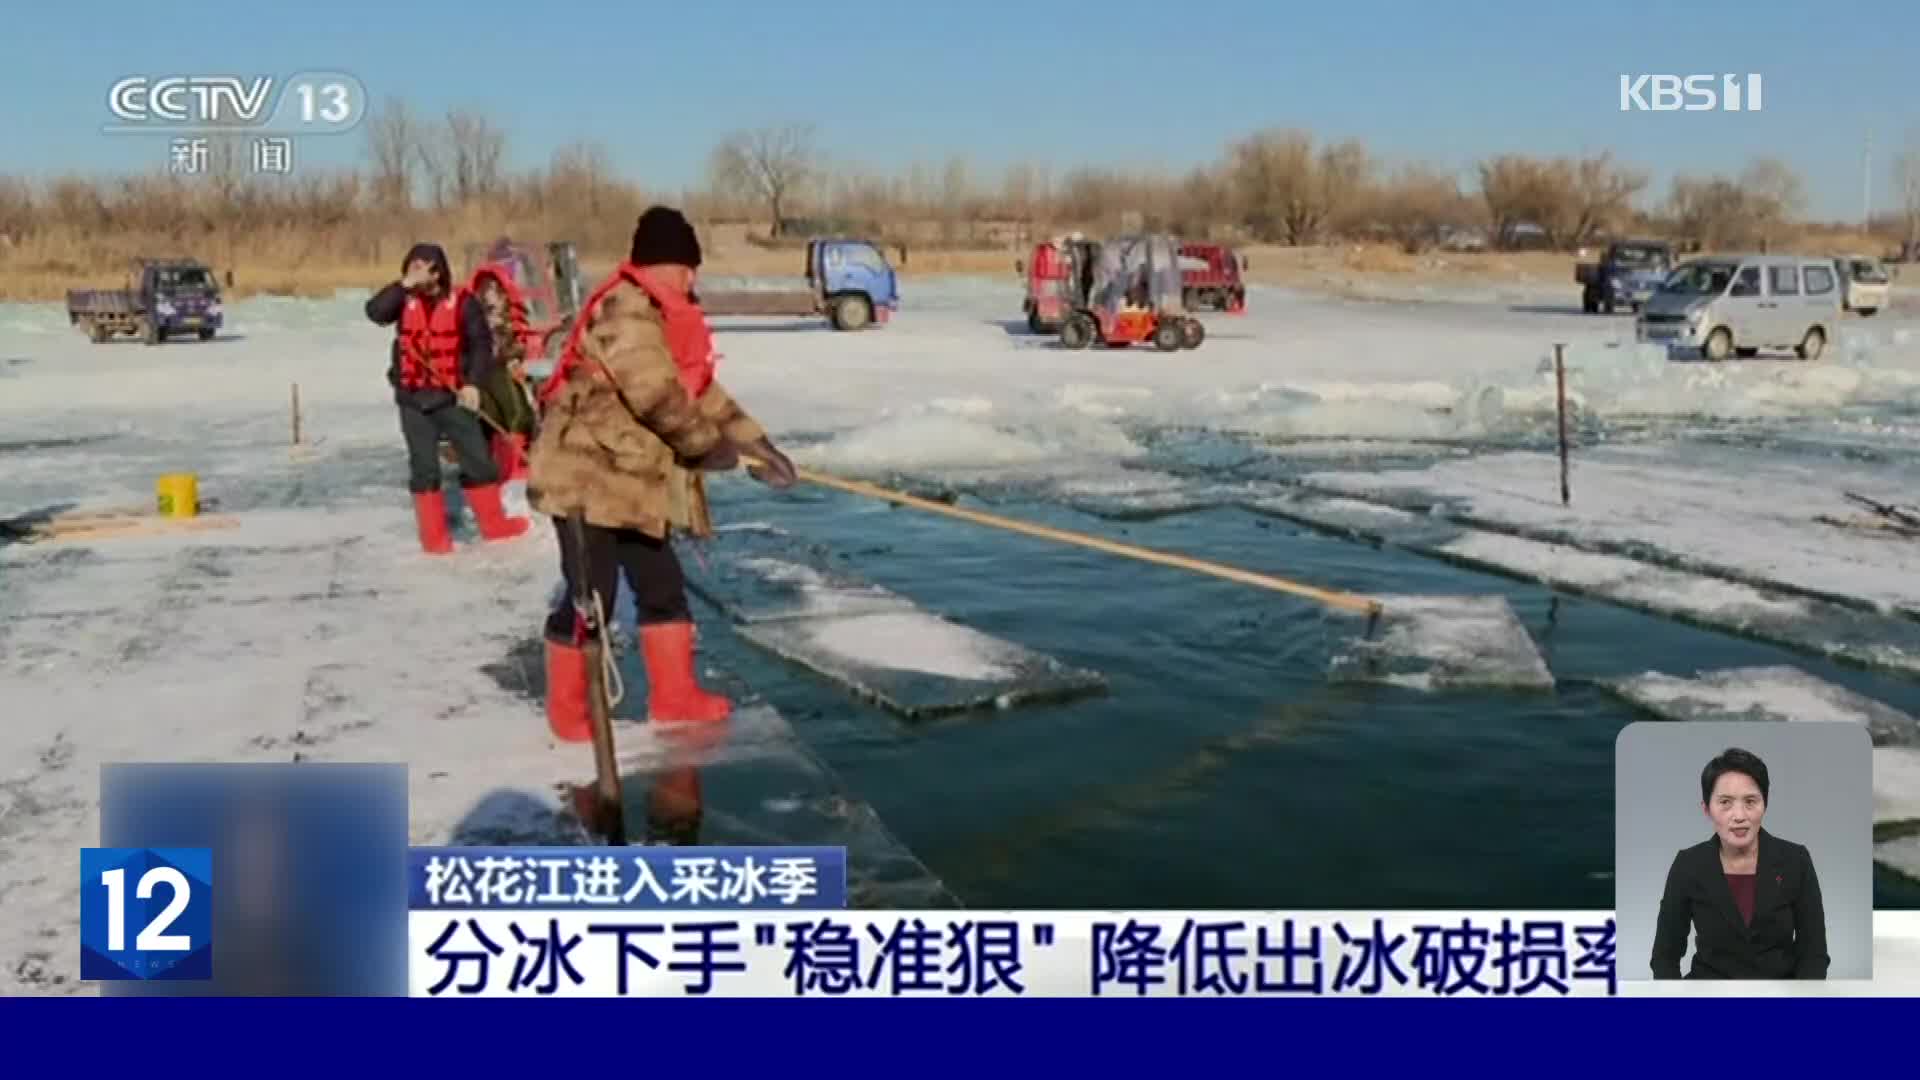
[(178, 495)]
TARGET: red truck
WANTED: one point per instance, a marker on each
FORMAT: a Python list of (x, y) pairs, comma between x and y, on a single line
[(1059, 276), (1210, 278), (550, 287)]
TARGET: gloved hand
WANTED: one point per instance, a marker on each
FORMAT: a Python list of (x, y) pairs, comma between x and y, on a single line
[(469, 398), (777, 472), (722, 457)]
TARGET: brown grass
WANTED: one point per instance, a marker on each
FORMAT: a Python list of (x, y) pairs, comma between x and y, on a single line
[(288, 261)]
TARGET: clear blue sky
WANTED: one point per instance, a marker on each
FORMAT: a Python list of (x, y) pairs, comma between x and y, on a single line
[(1118, 83)]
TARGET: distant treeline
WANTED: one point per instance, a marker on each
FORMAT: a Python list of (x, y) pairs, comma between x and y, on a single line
[(446, 177)]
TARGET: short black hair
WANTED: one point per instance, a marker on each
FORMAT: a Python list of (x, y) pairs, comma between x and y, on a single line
[(1736, 760)]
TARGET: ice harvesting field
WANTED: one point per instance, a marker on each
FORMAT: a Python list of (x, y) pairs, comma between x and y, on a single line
[(987, 719)]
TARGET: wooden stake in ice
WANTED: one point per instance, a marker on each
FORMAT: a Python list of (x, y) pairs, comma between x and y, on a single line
[(296, 414), (1560, 394)]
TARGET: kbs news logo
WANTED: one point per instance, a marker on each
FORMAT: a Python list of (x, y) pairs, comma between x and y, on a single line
[(1689, 93)]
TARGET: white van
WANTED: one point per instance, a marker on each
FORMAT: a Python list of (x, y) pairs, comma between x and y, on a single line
[(1865, 286), (1725, 305)]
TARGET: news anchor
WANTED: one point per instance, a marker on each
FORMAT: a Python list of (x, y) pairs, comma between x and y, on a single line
[(1751, 897)]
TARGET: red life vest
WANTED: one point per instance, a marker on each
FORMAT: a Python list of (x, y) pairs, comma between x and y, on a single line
[(688, 337), (430, 343)]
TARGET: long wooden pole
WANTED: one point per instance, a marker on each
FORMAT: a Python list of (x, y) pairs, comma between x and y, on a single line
[(1560, 393), (296, 414), (1332, 598)]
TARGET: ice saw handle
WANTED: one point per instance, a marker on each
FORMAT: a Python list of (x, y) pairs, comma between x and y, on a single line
[(1344, 601)]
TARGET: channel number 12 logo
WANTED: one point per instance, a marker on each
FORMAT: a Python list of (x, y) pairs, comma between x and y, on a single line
[(146, 913)]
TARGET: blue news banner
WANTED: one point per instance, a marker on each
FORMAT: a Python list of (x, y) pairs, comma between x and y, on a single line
[(773, 922)]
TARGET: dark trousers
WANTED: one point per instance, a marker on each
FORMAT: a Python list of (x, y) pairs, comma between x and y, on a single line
[(652, 571), (423, 431)]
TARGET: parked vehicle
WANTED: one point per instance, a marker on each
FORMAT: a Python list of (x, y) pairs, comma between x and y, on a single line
[(1059, 276), (1135, 296), (548, 283), (1865, 286), (848, 281), (1739, 304), (1210, 278), (163, 297), (1626, 275)]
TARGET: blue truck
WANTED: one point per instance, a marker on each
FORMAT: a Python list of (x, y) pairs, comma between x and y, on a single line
[(1625, 277), (848, 281), (163, 298)]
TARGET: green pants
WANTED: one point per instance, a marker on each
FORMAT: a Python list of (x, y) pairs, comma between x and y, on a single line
[(504, 401)]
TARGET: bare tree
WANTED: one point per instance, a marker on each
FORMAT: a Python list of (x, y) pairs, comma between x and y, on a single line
[(957, 200), (1906, 180), (1341, 175), (768, 165), (1420, 206), (1601, 198), (1271, 173), (580, 174), (1520, 190), (17, 209), (392, 136), (474, 148), (1776, 197), (1023, 194), (1197, 203), (1283, 189), (1710, 211)]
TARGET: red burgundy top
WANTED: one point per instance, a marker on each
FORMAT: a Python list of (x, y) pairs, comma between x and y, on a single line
[(1742, 886)]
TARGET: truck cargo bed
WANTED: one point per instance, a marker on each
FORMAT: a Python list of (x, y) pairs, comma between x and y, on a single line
[(758, 302), (101, 302)]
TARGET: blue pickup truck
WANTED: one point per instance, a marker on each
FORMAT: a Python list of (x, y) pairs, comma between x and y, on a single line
[(848, 281), (163, 297), (1625, 277)]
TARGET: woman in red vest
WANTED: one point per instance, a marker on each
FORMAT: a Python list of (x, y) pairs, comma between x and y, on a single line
[(442, 353)]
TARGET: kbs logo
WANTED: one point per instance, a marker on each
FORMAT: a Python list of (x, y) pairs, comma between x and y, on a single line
[(1689, 93)]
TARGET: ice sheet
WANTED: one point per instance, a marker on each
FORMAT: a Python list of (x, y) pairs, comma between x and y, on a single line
[(1742, 514), (1900, 853), (1766, 693), (1896, 785), (791, 599), (1442, 642), (1786, 694), (1816, 626)]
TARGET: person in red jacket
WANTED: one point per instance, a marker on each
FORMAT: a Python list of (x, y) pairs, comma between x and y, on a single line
[(442, 354)]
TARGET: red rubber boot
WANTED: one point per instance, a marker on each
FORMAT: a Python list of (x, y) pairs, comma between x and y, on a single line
[(430, 514), (673, 694), (567, 712), (510, 457), (493, 521)]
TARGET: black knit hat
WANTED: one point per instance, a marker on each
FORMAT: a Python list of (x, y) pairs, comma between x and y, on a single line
[(664, 236)]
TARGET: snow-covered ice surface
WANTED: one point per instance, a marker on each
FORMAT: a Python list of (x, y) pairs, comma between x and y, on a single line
[(317, 629), (1788, 618), (1743, 513), (1788, 694), (1771, 693)]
